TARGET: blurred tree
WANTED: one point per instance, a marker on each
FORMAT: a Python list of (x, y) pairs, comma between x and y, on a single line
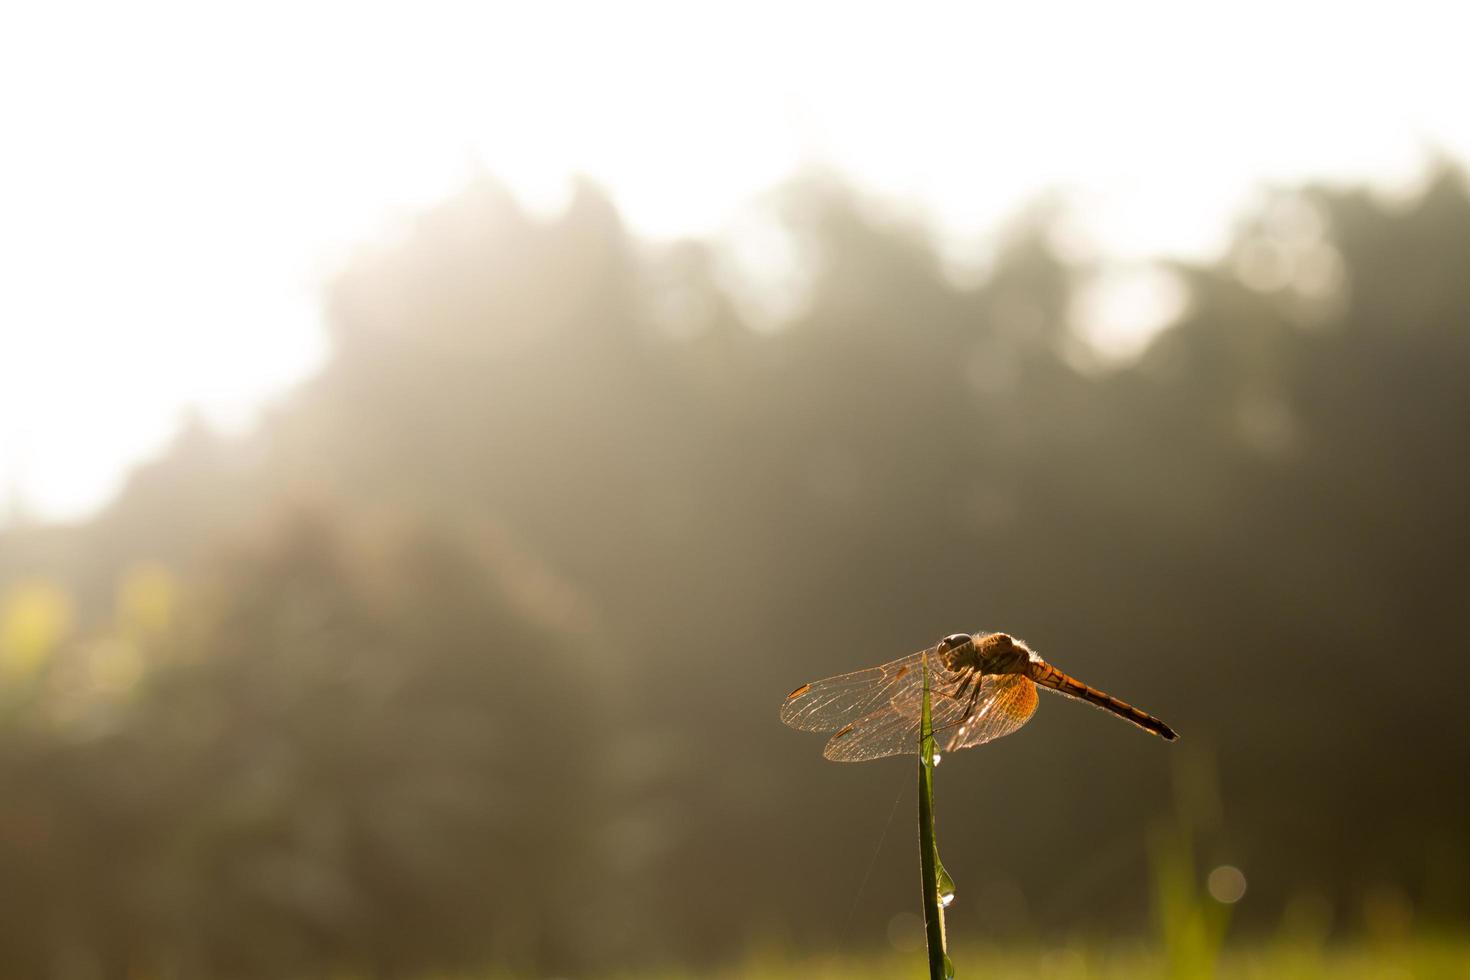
[(536, 722), (356, 753)]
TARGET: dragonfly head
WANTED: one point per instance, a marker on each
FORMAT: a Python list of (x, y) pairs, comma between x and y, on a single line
[(956, 650)]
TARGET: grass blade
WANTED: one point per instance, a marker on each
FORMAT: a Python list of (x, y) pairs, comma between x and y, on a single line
[(938, 886)]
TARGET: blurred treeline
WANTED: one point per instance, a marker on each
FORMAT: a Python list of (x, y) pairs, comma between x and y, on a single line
[(471, 652)]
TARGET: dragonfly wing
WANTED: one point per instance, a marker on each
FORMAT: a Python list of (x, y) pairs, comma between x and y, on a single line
[(1006, 702), (830, 704), (893, 729)]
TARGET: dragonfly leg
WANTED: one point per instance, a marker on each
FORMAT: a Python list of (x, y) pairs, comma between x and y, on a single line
[(945, 728), (968, 684), (969, 687), (960, 689)]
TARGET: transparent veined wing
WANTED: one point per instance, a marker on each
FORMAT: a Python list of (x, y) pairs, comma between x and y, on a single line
[(832, 703), (1004, 704), (894, 728)]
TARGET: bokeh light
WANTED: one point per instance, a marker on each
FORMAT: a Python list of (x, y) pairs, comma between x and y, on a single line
[(1226, 884)]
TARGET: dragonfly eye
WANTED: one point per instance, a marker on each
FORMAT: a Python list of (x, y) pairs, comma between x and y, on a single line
[(954, 641)]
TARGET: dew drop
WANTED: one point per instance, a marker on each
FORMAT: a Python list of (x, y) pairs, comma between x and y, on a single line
[(935, 760), (946, 887)]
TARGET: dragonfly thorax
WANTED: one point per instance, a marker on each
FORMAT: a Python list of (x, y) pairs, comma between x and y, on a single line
[(989, 653)]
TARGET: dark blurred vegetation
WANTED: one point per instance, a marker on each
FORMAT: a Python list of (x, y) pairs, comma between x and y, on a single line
[(471, 653)]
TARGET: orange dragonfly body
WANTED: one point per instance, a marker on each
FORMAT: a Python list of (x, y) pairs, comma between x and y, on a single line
[(982, 686)]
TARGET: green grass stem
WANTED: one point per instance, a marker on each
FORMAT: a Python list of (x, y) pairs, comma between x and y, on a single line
[(937, 885)]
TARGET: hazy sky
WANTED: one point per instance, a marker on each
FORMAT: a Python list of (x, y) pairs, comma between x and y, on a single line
[(177, 179)]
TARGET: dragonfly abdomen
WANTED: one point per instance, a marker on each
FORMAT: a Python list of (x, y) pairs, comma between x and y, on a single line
[(1046, 675)]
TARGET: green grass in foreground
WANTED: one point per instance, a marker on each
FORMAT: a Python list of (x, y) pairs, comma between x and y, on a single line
[(1424, 959)]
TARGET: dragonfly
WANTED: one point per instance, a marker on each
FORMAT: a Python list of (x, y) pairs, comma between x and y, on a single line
[(982, 686)]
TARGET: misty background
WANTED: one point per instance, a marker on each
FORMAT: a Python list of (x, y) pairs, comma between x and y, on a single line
[(468, 648)]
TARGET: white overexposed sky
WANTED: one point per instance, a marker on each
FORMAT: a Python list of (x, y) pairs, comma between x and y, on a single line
[(177, 179)]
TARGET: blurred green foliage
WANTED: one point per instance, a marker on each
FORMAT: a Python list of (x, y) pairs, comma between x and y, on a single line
[(470, 653), (1426, 960)]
